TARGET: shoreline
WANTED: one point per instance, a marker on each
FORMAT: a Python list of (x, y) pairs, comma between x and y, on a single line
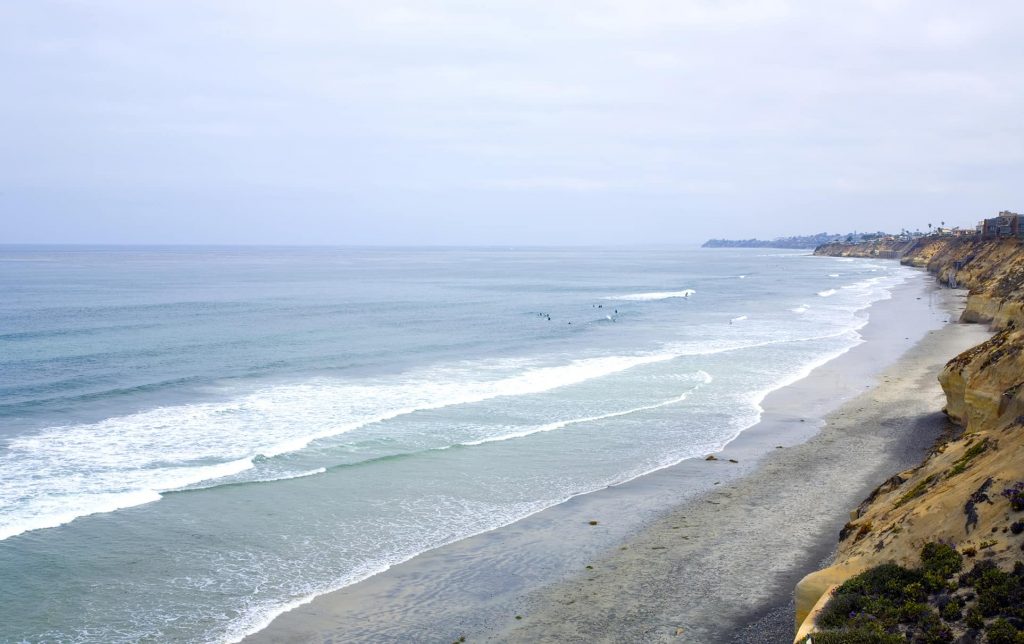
[(476, 586)]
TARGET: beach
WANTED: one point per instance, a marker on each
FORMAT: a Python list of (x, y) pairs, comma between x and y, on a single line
[(702, 551)]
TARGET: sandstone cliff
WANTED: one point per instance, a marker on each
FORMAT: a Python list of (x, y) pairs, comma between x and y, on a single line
[(884, 248), (956, 494)]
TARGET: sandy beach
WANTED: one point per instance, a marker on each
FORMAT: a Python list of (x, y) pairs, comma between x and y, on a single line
[(703, 551)]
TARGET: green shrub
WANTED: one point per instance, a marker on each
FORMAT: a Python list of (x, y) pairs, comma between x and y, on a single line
[(862, 629), (890, 603), (999, 593), (941, 559), (951, 611), (888, 580), (974, 618), (1003, 632)]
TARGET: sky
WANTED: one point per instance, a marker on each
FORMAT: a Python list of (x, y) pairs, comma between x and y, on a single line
[(494, 122)]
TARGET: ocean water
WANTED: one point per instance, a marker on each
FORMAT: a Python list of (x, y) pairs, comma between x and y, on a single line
[(193, 440)]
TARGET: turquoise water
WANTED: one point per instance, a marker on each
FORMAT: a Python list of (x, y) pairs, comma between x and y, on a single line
[(194, 439)]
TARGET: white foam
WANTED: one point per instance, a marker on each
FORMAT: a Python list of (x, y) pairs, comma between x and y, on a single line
[(259, 615), (803, 308), (833, 274), (300, 475), (63, 472), (51, 513), (827, 292), (649, 297), (738, 319), (267, 479), (703, 376)]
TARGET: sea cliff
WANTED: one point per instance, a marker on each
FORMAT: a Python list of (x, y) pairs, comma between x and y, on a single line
[(956, 496)]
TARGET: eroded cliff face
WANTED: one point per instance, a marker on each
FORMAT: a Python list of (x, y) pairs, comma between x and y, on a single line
[(879, 248), (957, 494), (992, 270)]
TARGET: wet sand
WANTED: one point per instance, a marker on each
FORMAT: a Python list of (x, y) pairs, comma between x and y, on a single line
[(703, 551)]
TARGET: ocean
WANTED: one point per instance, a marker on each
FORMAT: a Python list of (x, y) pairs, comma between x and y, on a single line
[(193, 440)]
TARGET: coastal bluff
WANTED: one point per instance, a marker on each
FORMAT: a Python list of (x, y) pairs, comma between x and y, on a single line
[(963, 494), (884, 248)]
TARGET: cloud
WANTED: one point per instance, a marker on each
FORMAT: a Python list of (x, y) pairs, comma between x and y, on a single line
[(776, 110)]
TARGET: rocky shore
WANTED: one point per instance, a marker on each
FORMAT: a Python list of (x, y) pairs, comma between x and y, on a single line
[(962, 495)]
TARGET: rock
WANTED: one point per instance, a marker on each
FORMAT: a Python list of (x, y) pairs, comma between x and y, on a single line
[(733, 460), (711, 457)]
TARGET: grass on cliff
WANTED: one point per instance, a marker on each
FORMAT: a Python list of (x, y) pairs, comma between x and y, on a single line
[(970, 454), (890, 603)]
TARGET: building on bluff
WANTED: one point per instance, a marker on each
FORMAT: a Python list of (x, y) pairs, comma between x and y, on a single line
[(1006, 224)]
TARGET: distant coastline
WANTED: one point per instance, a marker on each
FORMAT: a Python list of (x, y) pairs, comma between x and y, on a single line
[(808, 242)]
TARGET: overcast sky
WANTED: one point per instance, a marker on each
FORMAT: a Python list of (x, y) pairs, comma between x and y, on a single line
[(503, 122)]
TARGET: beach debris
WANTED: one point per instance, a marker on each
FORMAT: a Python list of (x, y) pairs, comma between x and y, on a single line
[(519, 616), (733, 460), (592, 522), (778, 447), (711, 457), (680, 630)]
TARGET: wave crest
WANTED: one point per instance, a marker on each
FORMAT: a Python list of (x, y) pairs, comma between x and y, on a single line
[(130, 460), (650, 297)]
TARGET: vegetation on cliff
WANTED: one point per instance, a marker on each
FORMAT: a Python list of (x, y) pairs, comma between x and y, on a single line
[(929, 603), (886, 246)]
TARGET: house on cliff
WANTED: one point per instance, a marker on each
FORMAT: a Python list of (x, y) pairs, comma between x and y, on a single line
[(1007, 224)]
